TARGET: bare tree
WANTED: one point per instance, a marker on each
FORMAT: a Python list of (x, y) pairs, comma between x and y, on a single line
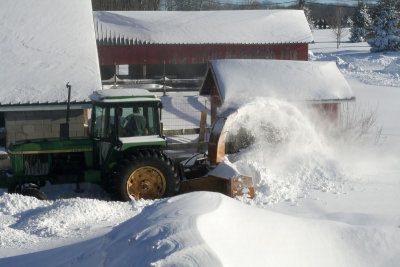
[(336, 24)]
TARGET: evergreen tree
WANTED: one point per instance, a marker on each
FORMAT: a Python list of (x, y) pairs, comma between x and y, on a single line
[(361, 22), (307, 12), (385, 28)]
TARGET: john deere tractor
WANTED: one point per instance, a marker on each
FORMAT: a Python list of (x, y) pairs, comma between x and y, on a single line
[(123, 153)]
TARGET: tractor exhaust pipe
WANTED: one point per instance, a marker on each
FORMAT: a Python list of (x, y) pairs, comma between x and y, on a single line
[(64, 127)]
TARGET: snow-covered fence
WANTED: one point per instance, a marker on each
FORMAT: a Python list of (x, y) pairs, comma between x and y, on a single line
[(183, 111)]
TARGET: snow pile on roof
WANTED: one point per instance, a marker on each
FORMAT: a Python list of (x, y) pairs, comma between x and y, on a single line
[(45, 44), (240, 79), (199, 27)]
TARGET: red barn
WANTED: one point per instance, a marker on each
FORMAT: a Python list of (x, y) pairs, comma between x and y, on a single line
[(178, 44), (237, 81)]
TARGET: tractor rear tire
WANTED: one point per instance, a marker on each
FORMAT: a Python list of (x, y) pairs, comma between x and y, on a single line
[(34, 192), (146, 174)]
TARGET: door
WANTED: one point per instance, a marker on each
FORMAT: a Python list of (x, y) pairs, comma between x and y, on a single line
[(103, 133)]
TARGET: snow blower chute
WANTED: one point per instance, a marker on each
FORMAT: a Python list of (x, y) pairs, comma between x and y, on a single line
[(215, 178)]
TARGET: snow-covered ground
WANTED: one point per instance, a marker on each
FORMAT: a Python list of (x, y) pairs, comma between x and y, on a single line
[(322, 198)]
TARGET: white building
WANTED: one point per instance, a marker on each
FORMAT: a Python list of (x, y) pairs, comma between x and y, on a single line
[(43, 45)]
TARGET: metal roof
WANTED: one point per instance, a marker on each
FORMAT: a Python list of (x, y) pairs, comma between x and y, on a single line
[(311, 81), (201, 27)]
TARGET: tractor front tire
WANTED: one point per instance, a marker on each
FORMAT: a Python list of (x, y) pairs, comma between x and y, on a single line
[(34, 192), (144, 174)]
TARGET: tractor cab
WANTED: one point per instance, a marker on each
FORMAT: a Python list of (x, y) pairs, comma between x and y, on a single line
[(124, 118)]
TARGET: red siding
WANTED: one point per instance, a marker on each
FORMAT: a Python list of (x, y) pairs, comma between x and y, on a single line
[(328, 111), (192, 54)]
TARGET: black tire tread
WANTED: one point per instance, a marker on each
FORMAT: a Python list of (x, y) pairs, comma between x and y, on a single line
[(137, 159), (34, 192)]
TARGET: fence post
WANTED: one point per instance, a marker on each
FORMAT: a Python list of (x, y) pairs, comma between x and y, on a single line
[(202, 132)]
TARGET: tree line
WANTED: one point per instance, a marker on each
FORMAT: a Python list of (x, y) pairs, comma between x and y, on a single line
[(378, 25), (125, 5)]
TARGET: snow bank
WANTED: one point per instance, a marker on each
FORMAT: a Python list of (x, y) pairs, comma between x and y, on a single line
[(209, 229), (199, 27), (355, 60), (28, 222), (248, 236), (44, 46), (163, 234)]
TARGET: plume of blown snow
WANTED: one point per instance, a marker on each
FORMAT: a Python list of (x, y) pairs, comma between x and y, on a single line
[(289, 156)]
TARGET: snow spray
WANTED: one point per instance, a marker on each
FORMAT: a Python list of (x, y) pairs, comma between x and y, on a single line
[(288, 156)]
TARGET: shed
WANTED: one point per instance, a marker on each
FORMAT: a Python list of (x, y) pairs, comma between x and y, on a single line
[(44, 45), (233, 81), (180, 43)]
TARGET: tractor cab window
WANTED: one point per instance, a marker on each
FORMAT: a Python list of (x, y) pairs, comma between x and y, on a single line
[(103, 119), (138, 120)]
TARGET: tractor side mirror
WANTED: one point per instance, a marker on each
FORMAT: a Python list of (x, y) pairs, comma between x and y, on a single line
[(162, 130), (160, 106)]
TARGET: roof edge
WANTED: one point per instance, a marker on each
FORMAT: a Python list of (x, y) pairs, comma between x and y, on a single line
[(44, 106)]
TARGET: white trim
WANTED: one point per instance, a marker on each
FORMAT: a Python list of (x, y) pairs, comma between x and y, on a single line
[(123, 96), (128, 100), (141, 139)]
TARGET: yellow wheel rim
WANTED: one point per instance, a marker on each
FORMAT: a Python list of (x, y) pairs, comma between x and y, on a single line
[(146, 182)]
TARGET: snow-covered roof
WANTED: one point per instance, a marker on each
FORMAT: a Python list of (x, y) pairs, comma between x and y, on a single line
[(123, 95), (43, 45), (201, 27), (238, 79)]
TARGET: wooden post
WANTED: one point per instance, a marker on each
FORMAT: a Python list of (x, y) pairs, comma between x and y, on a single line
[(85, 122), (203, 122)]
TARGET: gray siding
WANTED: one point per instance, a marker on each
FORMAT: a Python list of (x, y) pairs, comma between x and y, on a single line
[(23, 125)]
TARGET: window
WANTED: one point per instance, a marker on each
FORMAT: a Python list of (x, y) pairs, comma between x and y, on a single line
[(122, 70), (138, 120), (103, 121)]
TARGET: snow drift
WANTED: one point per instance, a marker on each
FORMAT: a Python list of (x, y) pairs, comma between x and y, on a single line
[(209, 229)]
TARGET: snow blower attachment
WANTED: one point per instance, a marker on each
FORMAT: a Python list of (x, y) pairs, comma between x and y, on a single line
[(224, 181)]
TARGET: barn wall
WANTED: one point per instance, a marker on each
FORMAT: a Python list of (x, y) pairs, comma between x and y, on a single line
[(23, 125), (328, 111), (197, 54)]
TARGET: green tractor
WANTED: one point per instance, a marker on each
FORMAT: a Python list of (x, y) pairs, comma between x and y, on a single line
[(123, 153)]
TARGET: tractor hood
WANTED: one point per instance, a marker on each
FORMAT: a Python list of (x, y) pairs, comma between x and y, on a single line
[(53, 145)]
